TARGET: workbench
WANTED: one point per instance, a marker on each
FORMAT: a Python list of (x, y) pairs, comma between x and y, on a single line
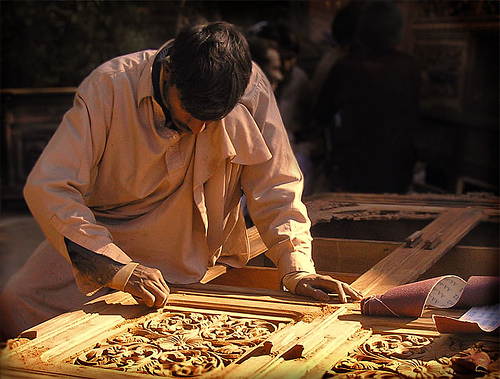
[(237, 323)]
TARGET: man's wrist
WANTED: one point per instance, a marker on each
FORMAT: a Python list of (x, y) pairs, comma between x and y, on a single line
[(92, 266), (291, 279), (121, 278)]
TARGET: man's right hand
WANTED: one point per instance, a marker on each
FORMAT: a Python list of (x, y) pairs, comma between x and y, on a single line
[(148, 287)]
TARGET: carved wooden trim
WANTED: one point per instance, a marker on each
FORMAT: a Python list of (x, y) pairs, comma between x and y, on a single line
[(179, 344), (414, 356)]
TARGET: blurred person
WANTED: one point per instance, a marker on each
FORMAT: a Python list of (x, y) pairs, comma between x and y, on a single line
[(369, 102), (293, 94), (266, 54), (344, 35), (343, 29)]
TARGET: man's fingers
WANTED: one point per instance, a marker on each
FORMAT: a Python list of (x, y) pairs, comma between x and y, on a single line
[(330, 285), (165, 285), (146, 297), (306, 289), (148, 285), (150, 300), (341, 292), (318, 287), (162, 287), (151, 295), (353, 293), (138, 299), (160, 294), (160, 291)]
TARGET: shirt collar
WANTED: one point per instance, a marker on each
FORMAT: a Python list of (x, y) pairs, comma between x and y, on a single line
[(145, 85)]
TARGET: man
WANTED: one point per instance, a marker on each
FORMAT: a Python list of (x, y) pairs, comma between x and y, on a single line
[(369, 106), (140, 186), (293, 92), (266, 54)]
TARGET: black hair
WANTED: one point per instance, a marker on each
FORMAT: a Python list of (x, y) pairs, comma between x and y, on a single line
[(259, 47), (211, 66), (280, 33), (381, 25), (344, 26)]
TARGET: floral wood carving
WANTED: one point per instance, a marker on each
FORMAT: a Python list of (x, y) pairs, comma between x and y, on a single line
[(179, 344), (410, 356)]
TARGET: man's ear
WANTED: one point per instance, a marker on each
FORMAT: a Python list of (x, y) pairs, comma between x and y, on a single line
[(165, 72), (166, 63)]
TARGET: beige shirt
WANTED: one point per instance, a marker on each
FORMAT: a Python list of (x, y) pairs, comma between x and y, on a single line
[(114, 180)]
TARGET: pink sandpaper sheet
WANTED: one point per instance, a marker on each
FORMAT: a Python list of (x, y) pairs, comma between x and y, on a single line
[(409, 300)]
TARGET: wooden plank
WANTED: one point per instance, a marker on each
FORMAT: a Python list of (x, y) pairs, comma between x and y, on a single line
[(346, 260), (484, 201), (268, 278), (325, 213), (306, 345), (257, 246), (24, 373), (327, 206), (423, 325), (350, 256), (324, 364), (252, 300), (250, 276), (353, 257), (406, 264)]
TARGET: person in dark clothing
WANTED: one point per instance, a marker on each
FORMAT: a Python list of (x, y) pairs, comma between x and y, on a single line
[(370, 100)]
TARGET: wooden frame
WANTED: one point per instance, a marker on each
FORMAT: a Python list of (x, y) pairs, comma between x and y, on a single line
[(317, 339)]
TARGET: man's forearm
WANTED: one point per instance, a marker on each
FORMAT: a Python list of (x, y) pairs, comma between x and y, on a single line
[(96, 267)]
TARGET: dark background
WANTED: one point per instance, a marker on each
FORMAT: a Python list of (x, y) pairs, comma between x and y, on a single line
[(48, 47)]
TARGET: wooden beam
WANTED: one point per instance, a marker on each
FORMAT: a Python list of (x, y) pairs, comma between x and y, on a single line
[(354, 257), (267, 277), (406, 264), (351, 256), (326, 206), (250, 276)]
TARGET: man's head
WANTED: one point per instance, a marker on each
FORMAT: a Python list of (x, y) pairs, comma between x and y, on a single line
[(344, 26), (381, 25), (266, 54), (208, 70), (286, 40)]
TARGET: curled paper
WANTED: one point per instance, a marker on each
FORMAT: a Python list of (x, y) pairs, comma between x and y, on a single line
[(449, 291), (476, 320)]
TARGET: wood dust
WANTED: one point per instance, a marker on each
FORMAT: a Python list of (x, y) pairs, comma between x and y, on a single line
[(325, 310)]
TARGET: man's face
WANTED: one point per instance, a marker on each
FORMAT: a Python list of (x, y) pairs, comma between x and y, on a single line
[(181, 118), (273, 68)]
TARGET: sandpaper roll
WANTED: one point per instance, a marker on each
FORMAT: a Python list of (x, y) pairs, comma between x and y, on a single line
[(480, 290), (409, 300)]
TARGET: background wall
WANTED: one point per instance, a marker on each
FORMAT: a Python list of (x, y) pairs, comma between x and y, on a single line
[(48, 47)]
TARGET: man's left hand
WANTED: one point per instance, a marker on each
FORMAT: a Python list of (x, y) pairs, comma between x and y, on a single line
[(319, 286)]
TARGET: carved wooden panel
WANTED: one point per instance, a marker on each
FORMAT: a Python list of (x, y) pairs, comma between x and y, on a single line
[(208, 331), (414, 356), (179, 343)]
